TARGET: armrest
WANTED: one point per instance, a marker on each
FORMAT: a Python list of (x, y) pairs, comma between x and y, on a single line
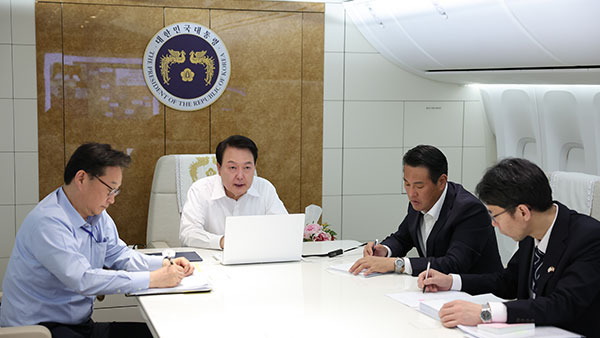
[(31, 331)]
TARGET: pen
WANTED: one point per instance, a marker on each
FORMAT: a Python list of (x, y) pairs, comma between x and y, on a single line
[(374, 245), (426, 274)]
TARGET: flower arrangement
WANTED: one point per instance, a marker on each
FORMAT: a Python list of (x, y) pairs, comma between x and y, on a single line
[(317, 233)]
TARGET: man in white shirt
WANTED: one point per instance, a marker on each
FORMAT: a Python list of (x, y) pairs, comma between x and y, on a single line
[(234, 192), (553, 277)]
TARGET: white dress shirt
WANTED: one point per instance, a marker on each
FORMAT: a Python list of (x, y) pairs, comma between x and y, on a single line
[(427, 223), (498, 309), (203, 218)]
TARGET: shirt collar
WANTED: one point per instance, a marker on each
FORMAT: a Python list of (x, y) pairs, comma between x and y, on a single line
[(543, 244), (219, 189), (70, 211), (437, 207)]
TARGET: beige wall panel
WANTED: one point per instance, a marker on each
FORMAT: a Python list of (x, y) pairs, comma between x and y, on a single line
[(187, 132), (263, 98), (216, 4), (51, 142), (312, 108), (106, 98)]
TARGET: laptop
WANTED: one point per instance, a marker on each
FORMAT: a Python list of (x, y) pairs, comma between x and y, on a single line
[(263, 239)]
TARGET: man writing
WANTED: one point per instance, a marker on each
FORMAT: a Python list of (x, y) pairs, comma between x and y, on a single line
[(448, 225), (56, 266), (234, 192), (555, 273)]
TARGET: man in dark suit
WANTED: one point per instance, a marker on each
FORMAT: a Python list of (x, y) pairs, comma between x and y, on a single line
[(555, 273), (448, 225)]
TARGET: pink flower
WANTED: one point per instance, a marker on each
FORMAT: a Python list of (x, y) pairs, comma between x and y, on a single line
[(311, 229), (321, 236)]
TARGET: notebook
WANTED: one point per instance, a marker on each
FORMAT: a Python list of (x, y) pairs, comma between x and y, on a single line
[(263, 239)]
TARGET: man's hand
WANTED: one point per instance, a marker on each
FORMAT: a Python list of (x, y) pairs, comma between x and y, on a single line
[(378, 250), (373, 264), (460, 312), (188, 268), (166, 277), (436, 281), (222, 242)]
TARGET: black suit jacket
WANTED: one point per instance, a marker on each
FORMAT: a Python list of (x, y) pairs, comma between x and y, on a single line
[(461, 241), (568, 290)]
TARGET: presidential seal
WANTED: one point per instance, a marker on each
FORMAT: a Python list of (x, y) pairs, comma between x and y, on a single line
[(186, 66)]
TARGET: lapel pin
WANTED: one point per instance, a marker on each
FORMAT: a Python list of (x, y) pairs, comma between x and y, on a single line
[(551, 269)]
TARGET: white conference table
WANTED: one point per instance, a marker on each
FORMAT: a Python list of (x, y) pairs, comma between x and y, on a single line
[(294, 299)]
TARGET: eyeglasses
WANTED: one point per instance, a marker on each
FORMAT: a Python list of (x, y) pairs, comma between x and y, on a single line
[(113, 191), (498, 214)]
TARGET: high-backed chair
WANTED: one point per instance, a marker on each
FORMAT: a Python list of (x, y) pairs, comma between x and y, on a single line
[(577, 191), (173, 176)]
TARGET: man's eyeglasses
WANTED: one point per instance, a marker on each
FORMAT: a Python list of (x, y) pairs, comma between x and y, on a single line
[(498, 214), (113, 191)]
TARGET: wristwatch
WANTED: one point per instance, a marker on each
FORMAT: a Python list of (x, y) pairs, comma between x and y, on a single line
[(486, 313), (399, 265)]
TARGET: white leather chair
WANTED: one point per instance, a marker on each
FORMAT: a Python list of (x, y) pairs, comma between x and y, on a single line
[(576, 190), (164, 208)]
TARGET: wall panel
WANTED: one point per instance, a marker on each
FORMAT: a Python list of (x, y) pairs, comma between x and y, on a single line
[(91, 88)]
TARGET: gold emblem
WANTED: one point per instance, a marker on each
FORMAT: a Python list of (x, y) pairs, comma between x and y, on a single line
[(187, 75), (167, 60), (201, 161), (551, 269), (206, 61), (210, 172)]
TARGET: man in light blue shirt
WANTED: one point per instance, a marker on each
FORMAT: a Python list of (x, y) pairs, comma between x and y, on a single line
[(57, 264)]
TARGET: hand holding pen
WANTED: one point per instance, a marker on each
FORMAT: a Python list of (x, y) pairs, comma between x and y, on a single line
[(426, 274)]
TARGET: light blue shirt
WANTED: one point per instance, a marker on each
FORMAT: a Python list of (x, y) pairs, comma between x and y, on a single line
[(56, 267)]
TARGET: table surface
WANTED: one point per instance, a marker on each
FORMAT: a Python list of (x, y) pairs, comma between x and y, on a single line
[(294, 299)]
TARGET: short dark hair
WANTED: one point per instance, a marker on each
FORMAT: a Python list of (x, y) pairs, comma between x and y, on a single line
[(429, 157), (93, 158), (236, 141), (515, 181)]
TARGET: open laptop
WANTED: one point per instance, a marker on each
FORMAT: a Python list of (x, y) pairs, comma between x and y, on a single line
[(262, 239)]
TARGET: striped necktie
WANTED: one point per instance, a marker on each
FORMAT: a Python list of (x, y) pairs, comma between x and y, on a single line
[(538, 257)]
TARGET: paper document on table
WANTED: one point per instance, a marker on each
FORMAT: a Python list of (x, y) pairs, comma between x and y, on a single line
[(431, 307), (413, 298), (345, 267), (540, 331), (196, 282)]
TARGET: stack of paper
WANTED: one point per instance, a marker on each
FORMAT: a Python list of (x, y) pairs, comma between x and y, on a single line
[(432, 307), (508, 330)]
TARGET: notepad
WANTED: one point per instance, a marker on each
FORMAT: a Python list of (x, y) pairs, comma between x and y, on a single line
[(190, 255), (196, 282)]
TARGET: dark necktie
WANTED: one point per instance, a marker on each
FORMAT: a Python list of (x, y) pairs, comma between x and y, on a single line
[(538, 258)]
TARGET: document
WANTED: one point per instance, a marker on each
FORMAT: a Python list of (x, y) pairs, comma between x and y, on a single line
[(414, 298), (346, 267), (540, 331), (196, 282)]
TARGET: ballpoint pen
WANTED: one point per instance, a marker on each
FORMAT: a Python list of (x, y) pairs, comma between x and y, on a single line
[(374, 245), (169, 254), (426, 274)]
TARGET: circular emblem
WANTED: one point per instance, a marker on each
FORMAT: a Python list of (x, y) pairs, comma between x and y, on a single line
[(186, 66)]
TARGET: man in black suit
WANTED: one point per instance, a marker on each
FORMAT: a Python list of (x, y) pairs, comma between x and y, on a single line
[(448, 225), (555, 273)]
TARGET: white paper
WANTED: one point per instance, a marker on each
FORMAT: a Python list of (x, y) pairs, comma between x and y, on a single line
[(346, 267), (196, 282)]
